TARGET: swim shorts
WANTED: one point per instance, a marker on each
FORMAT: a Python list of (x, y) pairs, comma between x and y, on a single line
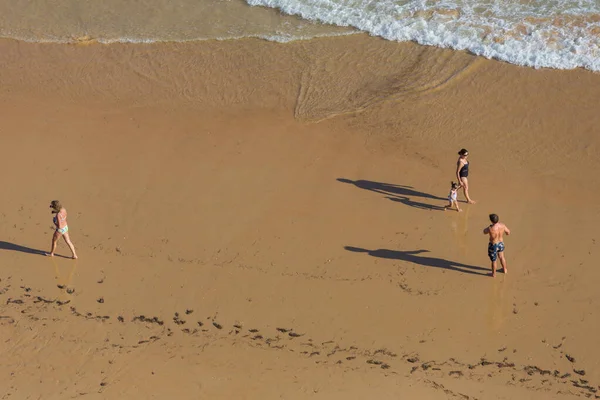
[(494, 249)]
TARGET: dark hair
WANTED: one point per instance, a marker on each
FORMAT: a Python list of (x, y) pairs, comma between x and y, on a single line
[(454, 184), (463, 152), (55, 205), (494, 218)]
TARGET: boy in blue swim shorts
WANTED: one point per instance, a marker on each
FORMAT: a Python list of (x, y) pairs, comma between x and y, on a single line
[(496, 233)]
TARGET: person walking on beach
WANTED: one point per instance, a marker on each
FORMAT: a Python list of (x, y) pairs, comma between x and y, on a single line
[(462, 173), (454, 186), (496, 233), (62, 229)]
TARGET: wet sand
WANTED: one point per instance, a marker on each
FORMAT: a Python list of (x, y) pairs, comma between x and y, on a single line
[(261, 220)]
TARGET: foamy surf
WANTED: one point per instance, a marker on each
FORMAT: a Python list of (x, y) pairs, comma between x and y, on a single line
[(562, 34)]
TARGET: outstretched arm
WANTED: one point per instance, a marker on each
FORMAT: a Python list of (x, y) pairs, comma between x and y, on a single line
[(506, 230), (412, 252)]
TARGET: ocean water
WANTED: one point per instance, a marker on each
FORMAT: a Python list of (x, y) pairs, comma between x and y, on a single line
[(146, 21), (562, 34)]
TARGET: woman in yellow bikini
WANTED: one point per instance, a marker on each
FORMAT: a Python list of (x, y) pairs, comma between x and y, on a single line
[(62, 229)]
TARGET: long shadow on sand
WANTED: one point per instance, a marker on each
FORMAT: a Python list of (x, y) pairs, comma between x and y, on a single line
[(23, 249), (399, 193), (415, 258)]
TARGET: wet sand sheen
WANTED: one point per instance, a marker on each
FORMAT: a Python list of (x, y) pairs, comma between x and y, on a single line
[(259, 191), (148, 21)]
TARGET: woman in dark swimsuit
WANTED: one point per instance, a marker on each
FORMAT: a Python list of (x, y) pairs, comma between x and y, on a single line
[(462, 172)]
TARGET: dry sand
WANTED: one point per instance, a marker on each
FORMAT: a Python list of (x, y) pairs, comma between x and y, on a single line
[(262, 221)]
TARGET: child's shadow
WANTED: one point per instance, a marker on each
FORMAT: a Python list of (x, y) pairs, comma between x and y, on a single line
[(416, 204), (398, 193)]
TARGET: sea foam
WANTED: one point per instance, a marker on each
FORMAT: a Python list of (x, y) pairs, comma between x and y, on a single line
[(561, 34)]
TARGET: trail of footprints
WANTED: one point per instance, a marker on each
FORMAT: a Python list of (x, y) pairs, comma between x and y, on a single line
[(329, 352)]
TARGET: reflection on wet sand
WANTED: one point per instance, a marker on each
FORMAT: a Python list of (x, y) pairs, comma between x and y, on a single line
[(65, 285)]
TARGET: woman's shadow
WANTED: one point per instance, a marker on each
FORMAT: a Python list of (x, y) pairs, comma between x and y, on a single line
[(414, 257), (398, 193), (23, 249)]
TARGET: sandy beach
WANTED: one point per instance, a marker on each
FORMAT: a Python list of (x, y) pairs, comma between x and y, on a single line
[(258, 220)]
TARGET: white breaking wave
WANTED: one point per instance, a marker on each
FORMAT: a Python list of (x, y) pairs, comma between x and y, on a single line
[(562, 34)]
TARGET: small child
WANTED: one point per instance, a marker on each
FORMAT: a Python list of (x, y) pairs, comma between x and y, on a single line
[(452, 196)]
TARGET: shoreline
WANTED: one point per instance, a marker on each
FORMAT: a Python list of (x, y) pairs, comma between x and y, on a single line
[(86, 40)]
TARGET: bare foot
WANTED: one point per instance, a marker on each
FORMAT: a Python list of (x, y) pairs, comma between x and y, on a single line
[(471, 202), (505, 271), (49, 254), (459, 210), (493, 274), (74, 257)]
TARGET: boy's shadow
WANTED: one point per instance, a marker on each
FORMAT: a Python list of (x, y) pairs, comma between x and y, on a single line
[(414, 257), (23, 249), (399, 193)]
